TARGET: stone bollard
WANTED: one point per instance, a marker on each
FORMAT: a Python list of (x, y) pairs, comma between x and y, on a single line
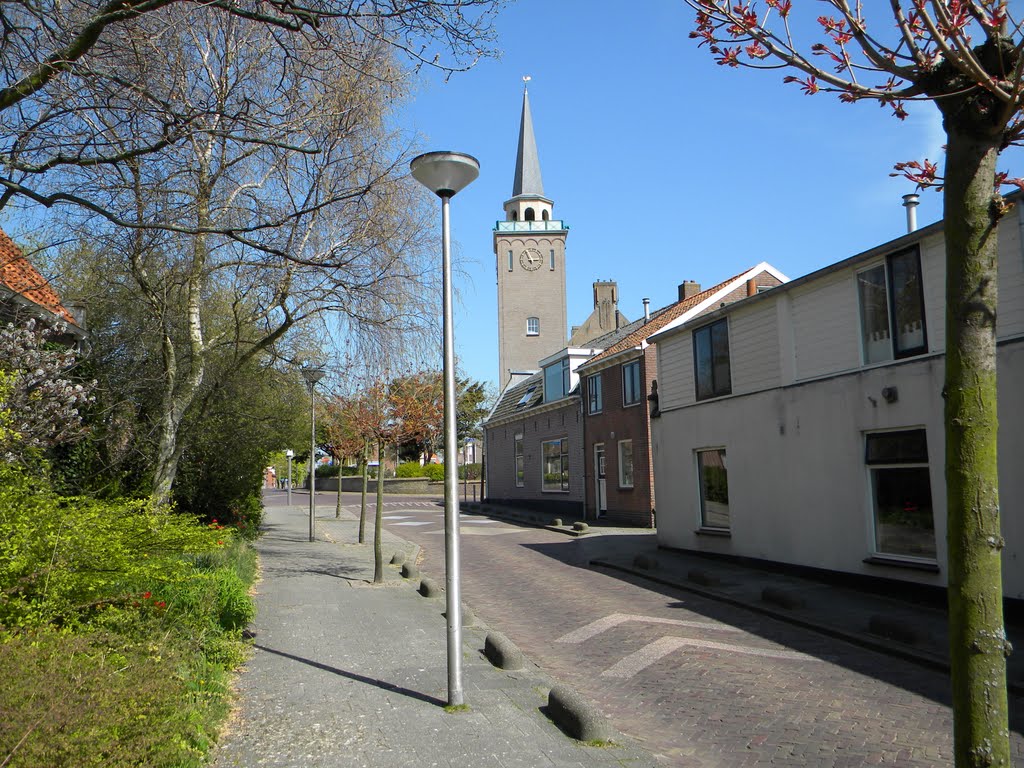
[(502, 652), (576, 716), (581, 527), (410, 571), (398, 558), (557, 522), (430, 588)]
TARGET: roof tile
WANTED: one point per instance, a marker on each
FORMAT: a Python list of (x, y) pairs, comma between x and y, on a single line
[(18, 275)]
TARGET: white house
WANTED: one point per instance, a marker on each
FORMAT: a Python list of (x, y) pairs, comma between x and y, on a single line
[(804, 425)]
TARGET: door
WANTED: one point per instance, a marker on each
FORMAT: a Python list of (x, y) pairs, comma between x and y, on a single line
[(602, 488)]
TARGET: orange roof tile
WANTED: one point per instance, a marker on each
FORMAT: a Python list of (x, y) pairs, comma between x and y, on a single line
[(662, 318), (17, 274)]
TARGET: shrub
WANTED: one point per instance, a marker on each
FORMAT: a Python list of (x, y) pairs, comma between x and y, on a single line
[(472, 470), (328, 470), (434, 471), (411, 469)]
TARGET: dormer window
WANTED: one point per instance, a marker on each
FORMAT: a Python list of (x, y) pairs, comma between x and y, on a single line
[(529, 215)]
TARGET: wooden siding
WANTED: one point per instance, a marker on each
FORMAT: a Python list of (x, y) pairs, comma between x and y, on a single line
[(826, 326), (754, 348), (675, 371), (1010, 320)]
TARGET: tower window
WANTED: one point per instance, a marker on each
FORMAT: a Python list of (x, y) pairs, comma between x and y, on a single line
[(533, 326), (510, 261), (552, 258), (515, 215), (544, 215), (529, 215)]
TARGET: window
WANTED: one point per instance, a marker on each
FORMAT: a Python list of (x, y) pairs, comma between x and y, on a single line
[(510, 261), (529, 215), (631, 391), (544, 215), (625, 463), (556, 380), (556, 465), (594, 402), (892, 308), (552, 258), (520, 474), (711, 360), (713, 478), (525, 399), (533, 326), (901, 493)]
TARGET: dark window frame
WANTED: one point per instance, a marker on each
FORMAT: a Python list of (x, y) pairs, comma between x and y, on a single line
[(638, 394), (716, 388)]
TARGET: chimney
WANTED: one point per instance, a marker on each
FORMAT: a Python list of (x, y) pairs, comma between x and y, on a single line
[(606, 304), (752, 286), (687, 289), (910, 202), (647, 309)]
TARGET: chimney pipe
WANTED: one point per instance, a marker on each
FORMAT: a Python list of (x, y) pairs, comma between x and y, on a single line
[(910, 202), (647, 309)]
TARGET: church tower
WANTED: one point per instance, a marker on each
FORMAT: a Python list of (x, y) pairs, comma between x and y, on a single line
[(529, 248)]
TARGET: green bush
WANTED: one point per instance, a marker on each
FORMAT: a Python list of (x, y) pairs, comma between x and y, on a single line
[(472, 470), (118, 628), (329, 470), (434, 471), (351, 471), (411, 469)]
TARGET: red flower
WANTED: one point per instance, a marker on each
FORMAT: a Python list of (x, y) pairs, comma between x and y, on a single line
[(146, 595), (161, 604)]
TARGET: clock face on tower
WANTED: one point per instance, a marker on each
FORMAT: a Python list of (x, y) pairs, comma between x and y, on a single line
[(531, 259)]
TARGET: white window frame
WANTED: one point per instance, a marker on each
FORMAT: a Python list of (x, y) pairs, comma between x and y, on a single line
[(872, 510), (533, 326), (893, 350), (622, 464), (639, 383), (595, 394), (519, 467), (563, 456), (702, 505), (510, 261)]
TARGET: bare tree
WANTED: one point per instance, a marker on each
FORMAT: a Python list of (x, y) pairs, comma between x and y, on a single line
[(285, 201), (967, 57)]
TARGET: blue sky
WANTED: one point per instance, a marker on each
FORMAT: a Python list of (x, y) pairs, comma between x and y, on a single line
[(666, 166)]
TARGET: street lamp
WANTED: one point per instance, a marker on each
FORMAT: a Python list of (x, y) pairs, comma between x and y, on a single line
[(312, 376), (444, 174), (290, 454)]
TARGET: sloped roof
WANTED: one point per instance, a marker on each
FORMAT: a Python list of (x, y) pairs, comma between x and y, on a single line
[(21, 278), (527, 179), (642, 329), (518, 397)]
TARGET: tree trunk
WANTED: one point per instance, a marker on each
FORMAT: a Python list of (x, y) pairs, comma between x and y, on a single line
[(362, 502), (378, 555), (978, 646), (337, 508)]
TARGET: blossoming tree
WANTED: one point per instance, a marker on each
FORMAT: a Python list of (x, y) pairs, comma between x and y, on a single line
[(966, 57)]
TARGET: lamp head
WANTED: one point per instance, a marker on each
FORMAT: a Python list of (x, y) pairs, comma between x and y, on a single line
[(445, 173), (312, 375)]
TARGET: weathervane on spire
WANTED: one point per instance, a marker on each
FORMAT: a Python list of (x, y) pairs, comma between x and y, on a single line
[(526, 79)]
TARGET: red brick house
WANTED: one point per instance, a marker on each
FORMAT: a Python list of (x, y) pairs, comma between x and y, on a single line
[(25, 293), (619, 392)]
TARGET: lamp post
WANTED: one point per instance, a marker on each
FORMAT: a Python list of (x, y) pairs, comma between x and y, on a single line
[(289, 453), (312, 376), (445, 174)]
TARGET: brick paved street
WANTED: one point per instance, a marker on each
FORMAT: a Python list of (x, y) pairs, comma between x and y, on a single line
[(697, 682)]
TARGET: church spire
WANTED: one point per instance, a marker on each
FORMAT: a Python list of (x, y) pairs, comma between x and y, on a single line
[(527, 180)]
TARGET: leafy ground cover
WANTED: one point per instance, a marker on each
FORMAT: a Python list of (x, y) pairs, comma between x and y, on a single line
[(119, 626)]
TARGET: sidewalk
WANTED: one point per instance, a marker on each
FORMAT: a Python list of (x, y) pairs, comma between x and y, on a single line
[(901, 625), (345, 673)]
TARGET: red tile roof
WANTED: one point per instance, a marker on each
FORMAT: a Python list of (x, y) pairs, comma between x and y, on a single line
[(662, 318), (18, 275)]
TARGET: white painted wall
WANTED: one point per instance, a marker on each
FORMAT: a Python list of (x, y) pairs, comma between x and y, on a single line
[(793, 429)]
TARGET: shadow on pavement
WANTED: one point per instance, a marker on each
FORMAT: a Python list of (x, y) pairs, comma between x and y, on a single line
[(932, 684), (356, 677)]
